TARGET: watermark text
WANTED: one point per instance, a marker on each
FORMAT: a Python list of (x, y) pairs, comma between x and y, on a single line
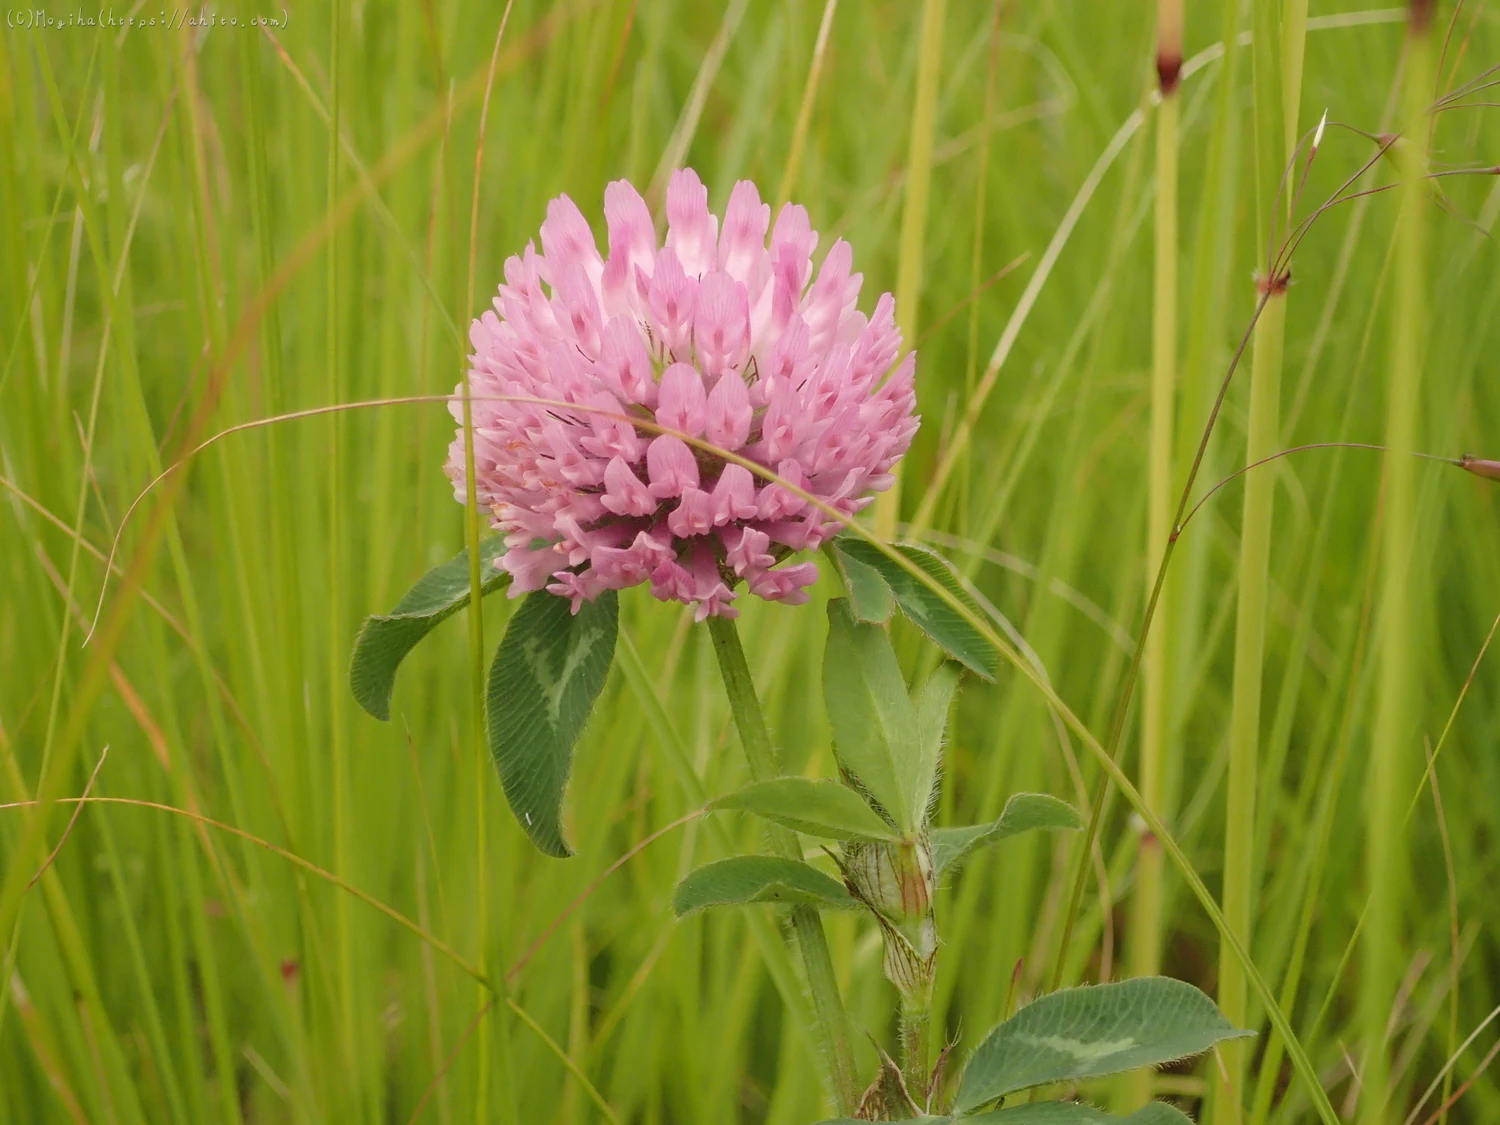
[(164, 19)]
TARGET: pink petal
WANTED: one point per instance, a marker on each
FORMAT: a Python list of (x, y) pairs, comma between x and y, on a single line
[(792, 360), (578, 543), (580, 588), (742, 242), (529, 569), (567, 460), (777, 503), (682, 404), (734, 495), (792, 243), (620, 567), (691, 230), (746, 549), (567, 378), (708, 589), (693, 514), (729, 414), (671, 583), (623, 366), (576, 307), (721, 323), (671, 299), (566, 239), (671, 467), (780, 430), (625, 494), (831, 296), (611, 436), (785, 584), (632, 246)]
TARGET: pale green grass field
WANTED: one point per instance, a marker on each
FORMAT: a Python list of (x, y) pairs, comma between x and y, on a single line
[(184, 247)]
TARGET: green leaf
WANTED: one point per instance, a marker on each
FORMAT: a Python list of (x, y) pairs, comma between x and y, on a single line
[(874, 724), (1024, 812), (385, 639), (1057, 1113), (1079, 1113), (1092, 1031), (549, 669), (827, 809), (931, 613), (933, 705), (759, 878), (869, 594)]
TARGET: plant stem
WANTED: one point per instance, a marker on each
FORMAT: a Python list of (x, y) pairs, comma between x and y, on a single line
[(916, 1043), (804, 112), (1244, 731), (482, 1108), (1146, 916), (1278, 82), (832, 1031), (1395, 721), (336, 578)]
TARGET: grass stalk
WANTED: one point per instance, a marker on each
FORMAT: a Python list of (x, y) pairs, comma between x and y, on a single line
[(1144, 941), (914, 213), (981, 202), (805, 110), (832, 1031), (1244, 729), (475, 615), (335, 683), (1277, 83), (1394, 734)]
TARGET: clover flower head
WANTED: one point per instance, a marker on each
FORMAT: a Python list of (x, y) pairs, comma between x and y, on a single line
[(597, 384)]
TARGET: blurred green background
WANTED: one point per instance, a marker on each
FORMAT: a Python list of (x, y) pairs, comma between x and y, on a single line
[(201, 227)]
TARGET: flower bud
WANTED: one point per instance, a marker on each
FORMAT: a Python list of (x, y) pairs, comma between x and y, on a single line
[(896, 881), (1481, 468)]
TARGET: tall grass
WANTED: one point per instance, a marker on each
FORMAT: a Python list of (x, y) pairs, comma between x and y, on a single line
[(204, 227), (1390, 764)]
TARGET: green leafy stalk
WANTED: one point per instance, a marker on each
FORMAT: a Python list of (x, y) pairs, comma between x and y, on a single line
[(1395, 720), (832, 1031)]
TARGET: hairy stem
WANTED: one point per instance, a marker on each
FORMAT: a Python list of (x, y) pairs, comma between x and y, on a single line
[(916, 1042), (832, 1031)]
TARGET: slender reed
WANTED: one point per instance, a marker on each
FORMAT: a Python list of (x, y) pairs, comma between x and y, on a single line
[(914, 213), (1278, 78), (1144, 942), (804, 111), (335, 683), (1393, 741), (476, 624)]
